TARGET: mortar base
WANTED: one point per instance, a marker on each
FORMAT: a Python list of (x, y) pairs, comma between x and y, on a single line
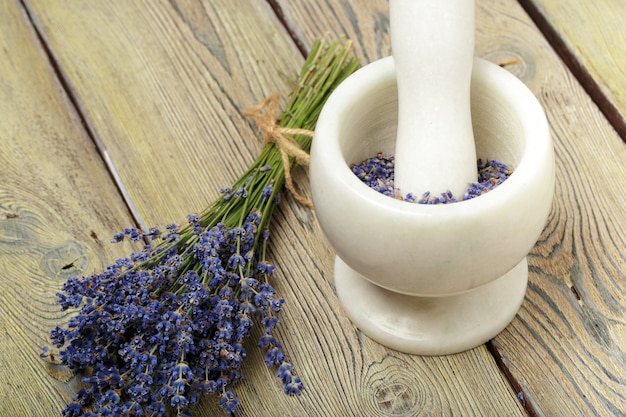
[(431, 325)]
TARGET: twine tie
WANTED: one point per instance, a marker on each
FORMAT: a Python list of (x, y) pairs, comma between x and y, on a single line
[(282, 137)]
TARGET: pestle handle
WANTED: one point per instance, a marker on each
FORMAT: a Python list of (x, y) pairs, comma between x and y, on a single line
[(433, 48)]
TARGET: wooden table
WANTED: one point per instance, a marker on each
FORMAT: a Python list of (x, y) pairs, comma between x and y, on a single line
[(118, 113)]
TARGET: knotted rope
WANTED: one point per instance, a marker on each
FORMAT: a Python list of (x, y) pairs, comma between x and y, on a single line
[(282, 138)]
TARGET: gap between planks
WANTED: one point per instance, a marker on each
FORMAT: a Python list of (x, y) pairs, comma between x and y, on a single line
[(583, 76), (75, 102), (515, 385), (274, 5)]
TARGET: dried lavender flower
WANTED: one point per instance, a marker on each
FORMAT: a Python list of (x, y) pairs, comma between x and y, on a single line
[(156, 331), (378, 173)]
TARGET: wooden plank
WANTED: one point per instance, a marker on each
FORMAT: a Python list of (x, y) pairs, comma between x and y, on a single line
[(591, 38), (58, 209), (162, 85), (566, 347)]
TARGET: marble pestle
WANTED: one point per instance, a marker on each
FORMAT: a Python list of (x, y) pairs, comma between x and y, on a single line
[(433, 46)]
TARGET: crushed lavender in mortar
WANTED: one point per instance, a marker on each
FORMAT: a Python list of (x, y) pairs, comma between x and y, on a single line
[(378, 173)]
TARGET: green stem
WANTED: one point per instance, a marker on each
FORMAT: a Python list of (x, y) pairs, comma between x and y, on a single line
[(325, 68)]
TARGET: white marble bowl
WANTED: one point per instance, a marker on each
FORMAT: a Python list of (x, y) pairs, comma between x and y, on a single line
[(431, 279)]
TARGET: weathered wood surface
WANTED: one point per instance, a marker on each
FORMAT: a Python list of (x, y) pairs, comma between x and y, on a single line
[(58, 207), (590, 38), (160, 87)]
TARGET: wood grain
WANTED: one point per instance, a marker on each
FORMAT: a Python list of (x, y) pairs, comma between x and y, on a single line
[(58, 208), (566, 348), (161, 86), (591, 39)]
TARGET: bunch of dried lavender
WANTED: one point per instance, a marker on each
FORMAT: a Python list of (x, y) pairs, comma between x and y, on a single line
[(161, 328)]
